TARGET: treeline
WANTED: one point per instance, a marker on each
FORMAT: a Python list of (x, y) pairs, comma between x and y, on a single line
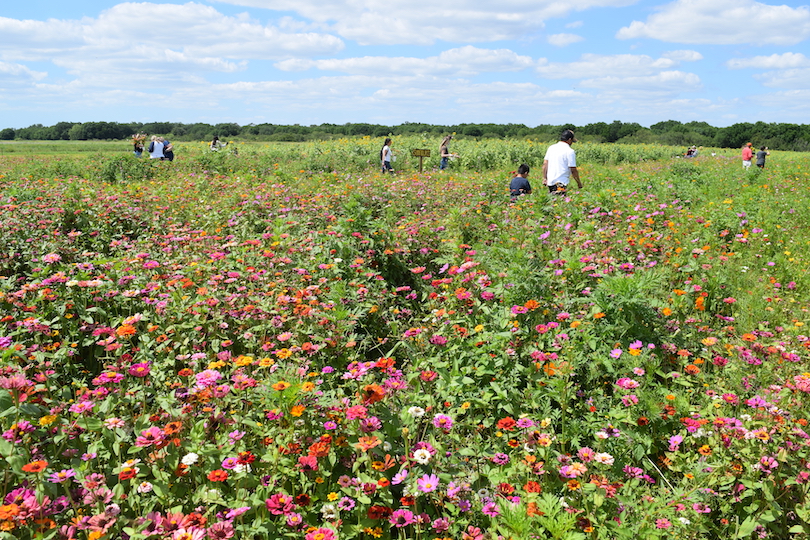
[(777, 136)]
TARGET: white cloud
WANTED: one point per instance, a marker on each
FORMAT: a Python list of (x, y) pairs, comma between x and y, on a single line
[(424, 22), (667, 82), (459, 62), (155, 40), (618, 65), (563, 40), (787, 70), (774, 61), (15, 72), (723, 22)]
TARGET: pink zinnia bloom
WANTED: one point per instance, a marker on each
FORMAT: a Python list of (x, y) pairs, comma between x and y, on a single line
[(139, 370), (321, 533), (148, 437), (442, 421), (428, 483), (279, 504), (208, 377), (62, 476), (401, 518)]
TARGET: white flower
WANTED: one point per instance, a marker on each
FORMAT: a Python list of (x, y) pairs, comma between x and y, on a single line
[(329, 511), (190, 459), (241, 467), (416, 412), (684, 520), (603, 458), (421, 456), (144, 487)]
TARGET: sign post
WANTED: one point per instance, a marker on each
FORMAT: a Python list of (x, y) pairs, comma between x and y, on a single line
[(421, 153)]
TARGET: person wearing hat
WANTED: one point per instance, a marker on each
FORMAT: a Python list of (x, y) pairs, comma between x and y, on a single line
[(560, 164), (747, 154)]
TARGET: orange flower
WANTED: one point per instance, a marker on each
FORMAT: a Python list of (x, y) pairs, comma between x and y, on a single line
[(8, 511), (35, 467), (691, 369), (280, 386), (297, 410), (748, 336), (705, 450), (125, 330), (367, 443), (531, 304), (372, 393), (666, 311)]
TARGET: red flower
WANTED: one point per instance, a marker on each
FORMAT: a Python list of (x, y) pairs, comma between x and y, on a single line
[(379, 512), (506, 424), (218, 475)]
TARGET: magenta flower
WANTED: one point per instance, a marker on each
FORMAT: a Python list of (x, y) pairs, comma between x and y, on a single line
[(402, 518), (279, 504), (139, 370), (442, 421)]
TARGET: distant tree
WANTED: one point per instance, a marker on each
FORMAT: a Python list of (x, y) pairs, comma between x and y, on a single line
[(227, 130), (667, 126), (7, 134)]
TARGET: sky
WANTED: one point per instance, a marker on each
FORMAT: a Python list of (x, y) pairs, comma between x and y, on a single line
[(444, 62)]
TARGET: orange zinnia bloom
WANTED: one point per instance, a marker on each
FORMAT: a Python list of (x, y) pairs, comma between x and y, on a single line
[(125, 330), (372, 393), (367, 443), (281, 386), (35, 466)]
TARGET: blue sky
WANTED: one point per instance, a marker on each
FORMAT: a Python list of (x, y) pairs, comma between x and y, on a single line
[(454, 61)]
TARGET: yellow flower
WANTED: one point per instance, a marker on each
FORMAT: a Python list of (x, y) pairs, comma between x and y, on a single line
[(266, 362), (47, 420), (243, 360), (332, 496)]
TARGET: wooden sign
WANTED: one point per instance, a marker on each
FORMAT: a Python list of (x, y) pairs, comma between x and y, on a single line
[(421, 153)]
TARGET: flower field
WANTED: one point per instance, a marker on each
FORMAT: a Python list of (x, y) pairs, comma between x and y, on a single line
[(248, 346)]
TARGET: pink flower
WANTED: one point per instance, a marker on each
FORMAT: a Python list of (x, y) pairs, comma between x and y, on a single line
[(627, 383), (148, 437), (139, 370), (663, 523), (428, 483), (280, 504), (208, 377), (401, 518), (321, 533)]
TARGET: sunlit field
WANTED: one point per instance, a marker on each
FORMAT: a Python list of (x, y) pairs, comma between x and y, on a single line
[(277, 341)]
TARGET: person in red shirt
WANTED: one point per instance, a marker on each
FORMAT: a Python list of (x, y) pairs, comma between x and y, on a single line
[(747, 154)]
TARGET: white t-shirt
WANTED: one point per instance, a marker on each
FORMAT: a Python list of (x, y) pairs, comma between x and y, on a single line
[(157, 150), (561, 158), (386, 153)]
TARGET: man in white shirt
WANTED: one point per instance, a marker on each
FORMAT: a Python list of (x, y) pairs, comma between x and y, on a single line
[(560, 164)]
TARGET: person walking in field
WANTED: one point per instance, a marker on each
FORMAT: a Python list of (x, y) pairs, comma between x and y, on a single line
[(444, 152), (763, 152), (386, 156), (747, 154), (560, 164)]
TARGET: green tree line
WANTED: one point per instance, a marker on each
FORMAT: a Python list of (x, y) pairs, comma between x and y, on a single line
[(778, 136)]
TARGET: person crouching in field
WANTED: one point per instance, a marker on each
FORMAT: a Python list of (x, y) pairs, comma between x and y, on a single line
[(520, 184)]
